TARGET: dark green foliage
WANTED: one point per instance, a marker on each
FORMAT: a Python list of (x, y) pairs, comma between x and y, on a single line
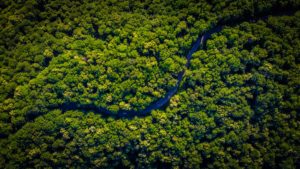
[(237, 106)]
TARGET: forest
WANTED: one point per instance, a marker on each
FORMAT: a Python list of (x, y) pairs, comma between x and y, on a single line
[(150, 84)]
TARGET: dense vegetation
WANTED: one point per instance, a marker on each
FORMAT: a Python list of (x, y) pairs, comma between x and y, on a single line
[(237, 106)]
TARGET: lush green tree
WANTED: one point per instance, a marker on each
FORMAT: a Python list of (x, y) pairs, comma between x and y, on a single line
[(76, 76)]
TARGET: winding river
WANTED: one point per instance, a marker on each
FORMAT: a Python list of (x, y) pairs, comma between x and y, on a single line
[(160, 102), (199, 43)]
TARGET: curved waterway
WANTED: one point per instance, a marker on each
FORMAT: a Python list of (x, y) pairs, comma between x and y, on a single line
[(199, 43)]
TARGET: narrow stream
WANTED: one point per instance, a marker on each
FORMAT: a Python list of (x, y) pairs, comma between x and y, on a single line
[(160, 102), (199, 43)]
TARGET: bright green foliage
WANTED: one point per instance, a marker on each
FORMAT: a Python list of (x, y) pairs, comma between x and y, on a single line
[(237, 106)]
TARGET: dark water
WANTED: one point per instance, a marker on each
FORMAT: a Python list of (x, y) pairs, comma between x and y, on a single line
[(160, 102)]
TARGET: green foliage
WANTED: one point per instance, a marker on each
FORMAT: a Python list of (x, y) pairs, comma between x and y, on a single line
[(236, 107)]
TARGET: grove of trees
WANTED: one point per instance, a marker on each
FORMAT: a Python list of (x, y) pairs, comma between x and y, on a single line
[(237, 106)]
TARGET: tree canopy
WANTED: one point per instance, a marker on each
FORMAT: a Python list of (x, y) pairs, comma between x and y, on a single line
[(235, 102)]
